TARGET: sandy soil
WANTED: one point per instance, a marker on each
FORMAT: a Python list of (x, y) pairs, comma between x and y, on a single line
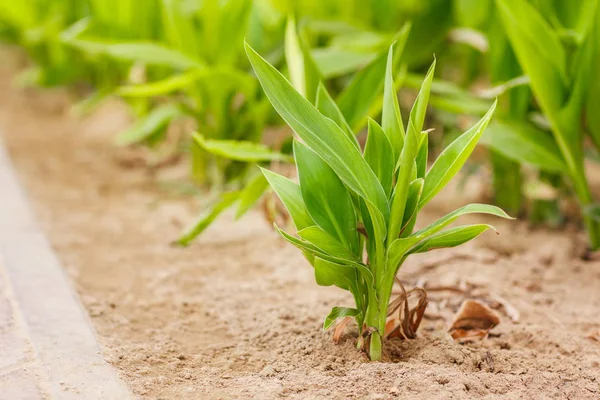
[(238, 314)]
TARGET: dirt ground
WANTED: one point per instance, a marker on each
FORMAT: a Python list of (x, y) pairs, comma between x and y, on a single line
[(238, 315)]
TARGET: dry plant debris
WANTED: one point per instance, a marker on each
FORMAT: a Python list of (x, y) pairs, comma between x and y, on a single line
[(473, 321)]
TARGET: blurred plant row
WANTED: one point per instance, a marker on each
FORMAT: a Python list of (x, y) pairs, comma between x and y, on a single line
[(180, 66)]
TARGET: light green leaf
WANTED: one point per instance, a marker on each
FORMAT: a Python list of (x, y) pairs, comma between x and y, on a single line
[(334, 62), (538, 49), (144, 52), (524, 143), (419, 109), (304, 74), (451, 237), (391, 118), (362, 91), (327, 106), (251, 194), (380, 155), (207, 217), (320, 133), (326, 198), (451, 160), (234, 17), (147, 126), (337, 313), (239, 150), (161, 87), (291, 197), (454, 215)]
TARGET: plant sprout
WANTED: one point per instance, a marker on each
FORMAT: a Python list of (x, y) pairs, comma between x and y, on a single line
[(355, 210)]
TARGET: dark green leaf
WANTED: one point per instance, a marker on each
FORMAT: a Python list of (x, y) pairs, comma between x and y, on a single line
[(410, 216), (379, 155), (326, 198)]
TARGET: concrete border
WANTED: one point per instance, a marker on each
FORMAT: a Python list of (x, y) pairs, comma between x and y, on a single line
[(67, 357)]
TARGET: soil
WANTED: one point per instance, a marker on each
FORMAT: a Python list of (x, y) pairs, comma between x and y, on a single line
[(238, 314)]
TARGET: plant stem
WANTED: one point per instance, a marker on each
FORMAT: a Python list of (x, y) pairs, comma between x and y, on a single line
[(375, 346), (507, 183)]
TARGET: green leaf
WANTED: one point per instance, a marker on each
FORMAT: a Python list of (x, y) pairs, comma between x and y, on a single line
[(147, 126), (422, 155), (239, 150), (524, 143), (365, 87), (327, 243), (538, 49), (454, 215), (451, 160), (251, 194), (593, 211), (402, 247), (334, 62), (291, 197), (451, 237), (320, 133), (337, 313), (412, 202), (207, 217), (391, 118), (327, 106), (328, 273), (326, 198), (235, 16), (161, 87), (144, 52), (362, 91), (304, 74), (406, 162), (419, 109), (312, 252), (380, 155)]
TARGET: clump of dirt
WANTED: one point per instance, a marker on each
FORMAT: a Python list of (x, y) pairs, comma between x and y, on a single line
[(238, 314)]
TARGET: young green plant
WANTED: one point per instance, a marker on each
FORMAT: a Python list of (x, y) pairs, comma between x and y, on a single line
[(355, 210)]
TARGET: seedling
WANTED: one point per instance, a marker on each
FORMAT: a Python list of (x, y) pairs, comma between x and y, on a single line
[(355, 210), (559, 63)]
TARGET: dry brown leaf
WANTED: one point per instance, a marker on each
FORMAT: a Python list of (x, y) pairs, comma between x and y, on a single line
[(595, 336), (473, 320), (339, 329), (404, 320)]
